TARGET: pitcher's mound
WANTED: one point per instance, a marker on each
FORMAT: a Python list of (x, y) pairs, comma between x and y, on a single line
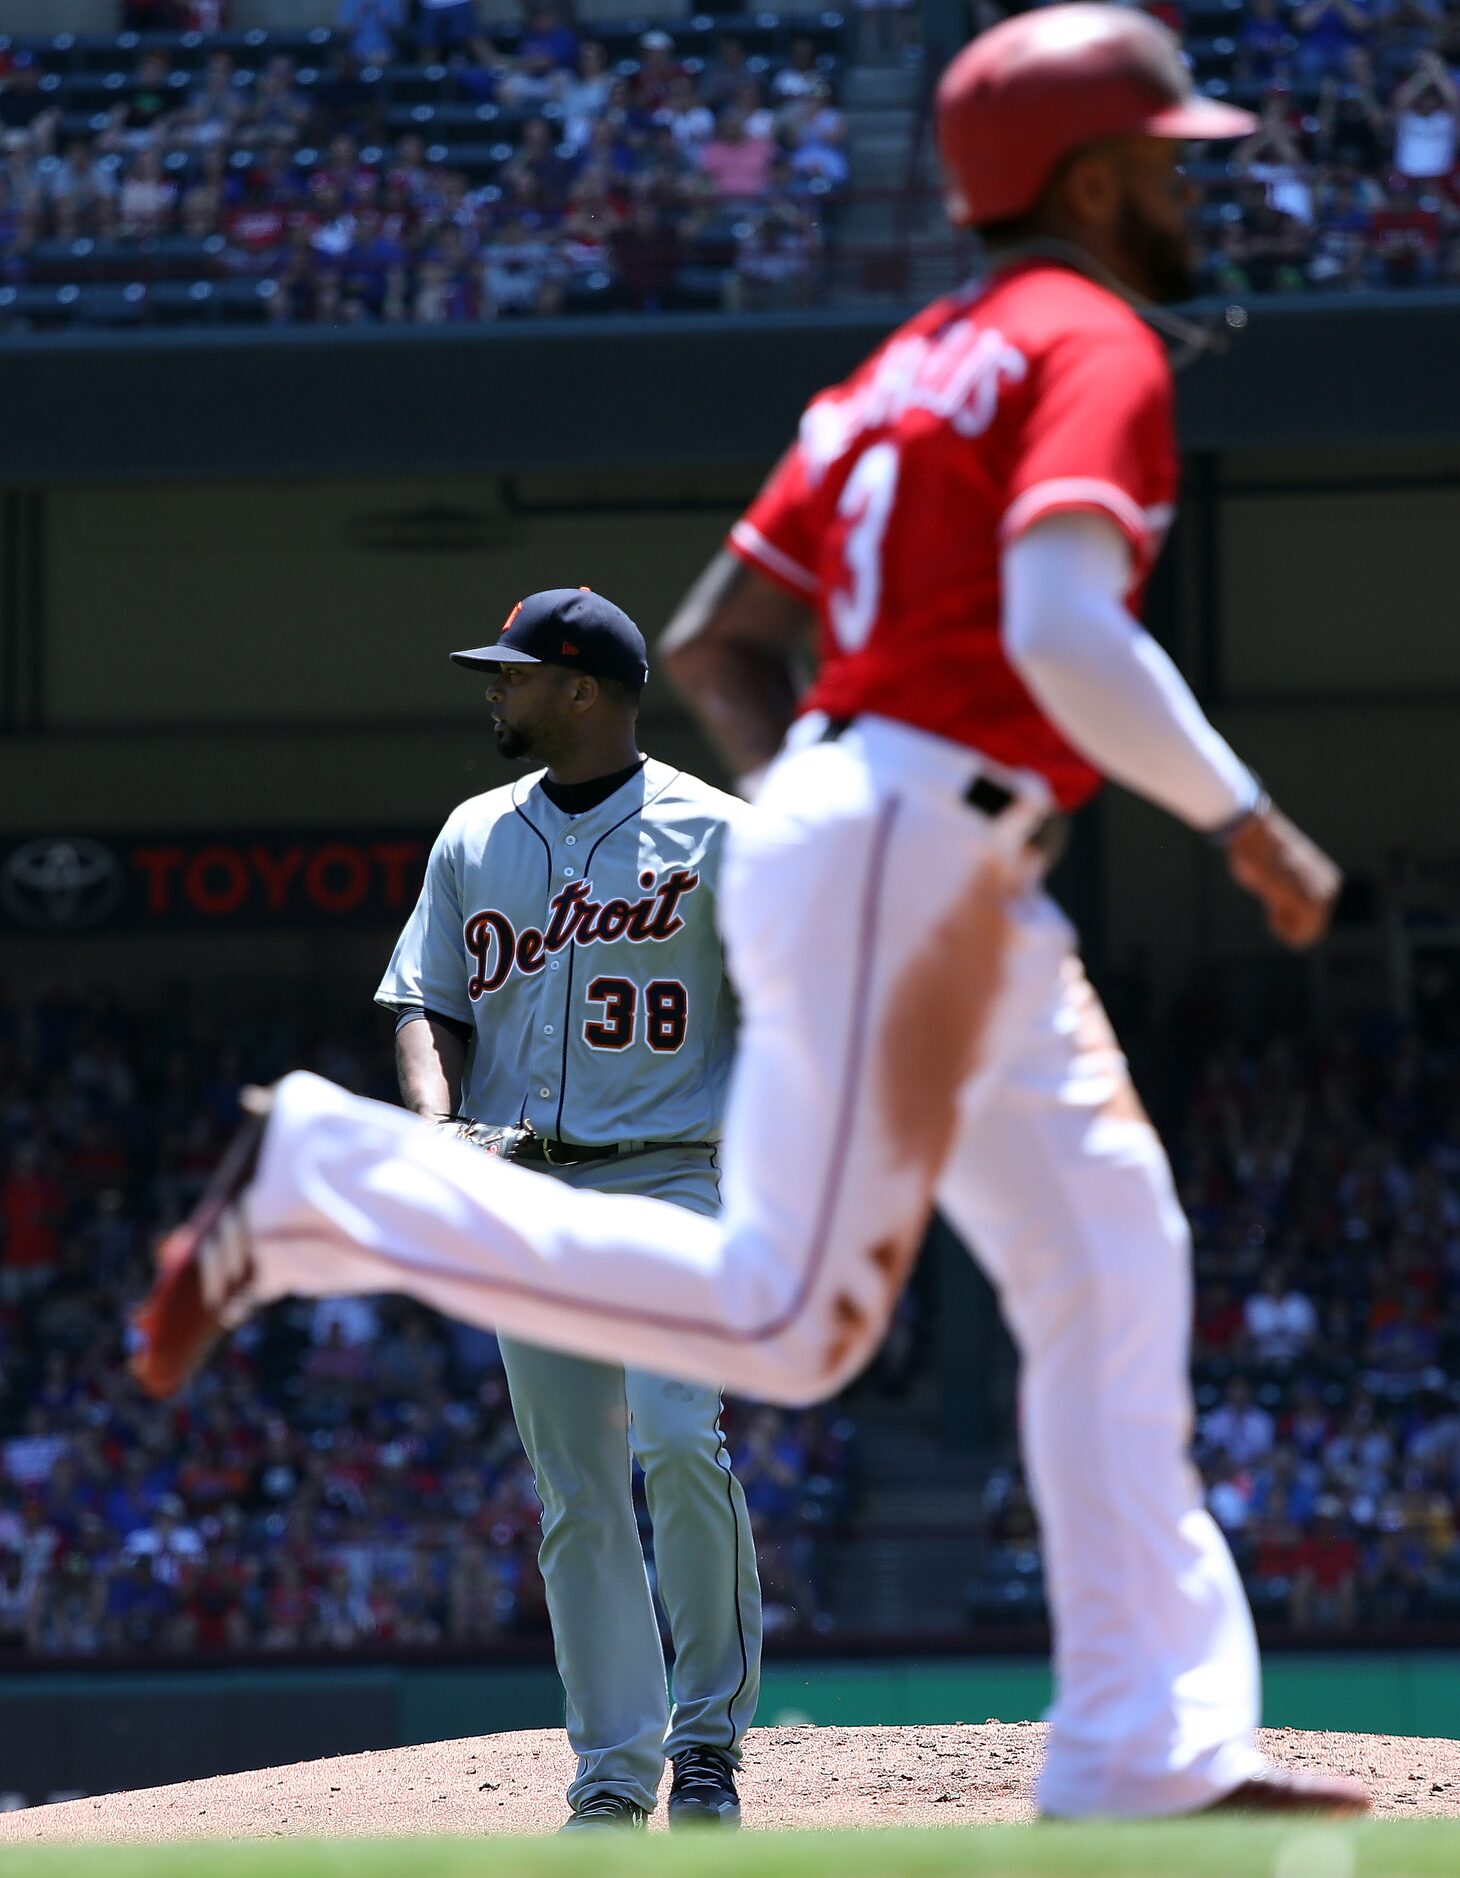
[(793, 1777)]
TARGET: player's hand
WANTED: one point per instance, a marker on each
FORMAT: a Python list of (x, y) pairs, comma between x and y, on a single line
[(1292, 877)]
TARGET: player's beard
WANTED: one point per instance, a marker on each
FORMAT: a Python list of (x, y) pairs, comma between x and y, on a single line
[(512, 743), (1162, 255)]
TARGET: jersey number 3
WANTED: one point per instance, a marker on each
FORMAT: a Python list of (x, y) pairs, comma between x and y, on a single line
[(865, 505), (666, 1014)]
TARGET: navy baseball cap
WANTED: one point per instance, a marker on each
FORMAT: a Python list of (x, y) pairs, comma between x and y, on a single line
[(570, 626)]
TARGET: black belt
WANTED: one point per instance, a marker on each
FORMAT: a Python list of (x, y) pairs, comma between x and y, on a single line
[(573, 1153), (990, 798)]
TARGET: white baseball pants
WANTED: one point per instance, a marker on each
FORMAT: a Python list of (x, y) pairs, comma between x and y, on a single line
[(916, 1028)]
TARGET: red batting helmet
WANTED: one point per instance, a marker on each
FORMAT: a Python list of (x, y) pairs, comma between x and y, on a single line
[(1033, 89)]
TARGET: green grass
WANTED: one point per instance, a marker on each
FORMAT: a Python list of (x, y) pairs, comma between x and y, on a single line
[(1189, 1849)]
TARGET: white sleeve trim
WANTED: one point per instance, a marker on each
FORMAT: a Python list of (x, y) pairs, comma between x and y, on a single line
[(753, 544), (1082, 492)]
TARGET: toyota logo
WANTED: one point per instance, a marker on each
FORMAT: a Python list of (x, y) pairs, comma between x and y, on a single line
[(60, 882)]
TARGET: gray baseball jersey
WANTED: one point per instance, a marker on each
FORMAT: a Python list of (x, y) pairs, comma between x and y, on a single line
[(583, 951)]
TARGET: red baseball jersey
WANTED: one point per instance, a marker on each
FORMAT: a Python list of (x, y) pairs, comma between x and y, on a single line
[(1037, 392)]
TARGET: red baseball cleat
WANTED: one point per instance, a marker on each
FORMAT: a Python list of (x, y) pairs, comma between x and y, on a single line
[(1276, 1790), (204, 1267)]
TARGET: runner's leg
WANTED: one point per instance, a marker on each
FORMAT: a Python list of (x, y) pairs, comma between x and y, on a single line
[(1059, 1183)]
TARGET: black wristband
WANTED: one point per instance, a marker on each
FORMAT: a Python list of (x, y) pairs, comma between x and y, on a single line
[(1223, 833)]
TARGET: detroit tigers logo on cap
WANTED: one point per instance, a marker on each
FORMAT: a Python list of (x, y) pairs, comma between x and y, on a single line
[(571, 626)]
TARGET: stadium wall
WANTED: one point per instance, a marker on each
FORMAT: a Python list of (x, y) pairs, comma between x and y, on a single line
[(89, 1732), (1366, 370)]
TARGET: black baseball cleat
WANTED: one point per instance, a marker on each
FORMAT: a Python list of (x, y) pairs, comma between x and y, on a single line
[(605, 1812), (703, 1793)]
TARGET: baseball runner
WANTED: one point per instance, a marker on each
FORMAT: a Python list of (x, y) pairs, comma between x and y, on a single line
[(968, 521), (607, 1059)]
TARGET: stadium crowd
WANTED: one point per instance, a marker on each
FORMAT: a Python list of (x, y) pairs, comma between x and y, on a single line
[(1351, 179), (428, 172), (348, 1475), (410, 163), (1323, 1188)]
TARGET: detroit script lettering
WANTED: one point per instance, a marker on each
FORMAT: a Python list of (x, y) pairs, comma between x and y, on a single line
[(574, 918)]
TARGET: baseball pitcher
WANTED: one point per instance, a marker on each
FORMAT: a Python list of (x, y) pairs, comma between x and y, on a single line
[(563, 1004), (967, 524)]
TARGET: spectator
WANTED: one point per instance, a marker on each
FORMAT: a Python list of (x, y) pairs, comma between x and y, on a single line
[(522, 272), (1341, 252), (214, 109), (1271, 157), (1350, 131), (1360, 1455), (800, 76), (689, 122), (444, 27), (30, 1457), (1274, 1550), (538, 157), (1239, 1431), (1404, 1346), (1327, 31), (1308, 1425), (1281, 1322), (1229, 1495), (28, 118), (750, 102), (1391, 1582), (139, 1610), (171, 1546), (738, 165), (725, 73), (546, 53), (345, 102), (1221, 1320), (1264, 44), (153, 97), (372, 28), (658, 69), (1406, 233), (32, 1208), (1426, 111), (817, 162), (1272, 244), (647, 254), (1325, 1573), (585, 93), (278, 112), (80, 193), (67, 1610)]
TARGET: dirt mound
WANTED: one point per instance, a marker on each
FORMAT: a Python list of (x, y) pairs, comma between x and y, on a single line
[(801, 1777)]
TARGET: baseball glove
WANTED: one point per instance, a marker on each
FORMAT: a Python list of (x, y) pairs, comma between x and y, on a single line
[(503, 1141)]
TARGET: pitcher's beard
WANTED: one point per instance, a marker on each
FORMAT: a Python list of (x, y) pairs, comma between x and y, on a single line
[(511, 743)]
